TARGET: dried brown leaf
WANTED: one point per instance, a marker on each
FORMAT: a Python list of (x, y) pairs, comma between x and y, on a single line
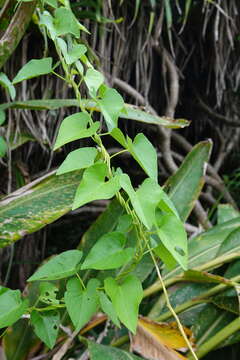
[(158, 341)]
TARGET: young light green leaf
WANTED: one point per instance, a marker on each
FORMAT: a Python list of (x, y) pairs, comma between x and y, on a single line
[(77, 51), (173, 236), (46, 20), (71, 56), (33, 68), (111, 105), (61, 266), (79, 67), (81, 304), (78, 159), (2, 117), (46, 325), (12, 306), (107, 308), (126, 298), (93, 187), (144, 153), (117, 134), (6, 83), (74, 127), (144, 200), (3, 147), (108, 253), (65, 22), (93, 79)]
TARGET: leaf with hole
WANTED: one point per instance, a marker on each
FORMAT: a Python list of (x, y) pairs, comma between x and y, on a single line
[(126, 297), (48, 293), (173, 236), (59, 267), (81, 303), (46, 325), (78, 159), (203, 248), (34, 68), (74, 127), (108, 253), (93, 186)]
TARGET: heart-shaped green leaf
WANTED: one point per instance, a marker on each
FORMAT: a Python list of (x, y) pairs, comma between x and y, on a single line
[(93, 186), (78, 159), (108, 253), (61, 266), (81, 304), (46, 325), (126, 298)]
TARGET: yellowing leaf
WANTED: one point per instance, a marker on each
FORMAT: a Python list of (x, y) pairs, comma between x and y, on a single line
[(155, 340)]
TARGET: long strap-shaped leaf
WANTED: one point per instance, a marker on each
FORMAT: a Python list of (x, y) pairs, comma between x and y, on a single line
[(184, 187), (30, 209), (15, 30), (131, 112)]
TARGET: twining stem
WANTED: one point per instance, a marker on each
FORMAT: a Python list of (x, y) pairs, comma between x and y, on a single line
[(216, 339), (194, 356), (81, 281)]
